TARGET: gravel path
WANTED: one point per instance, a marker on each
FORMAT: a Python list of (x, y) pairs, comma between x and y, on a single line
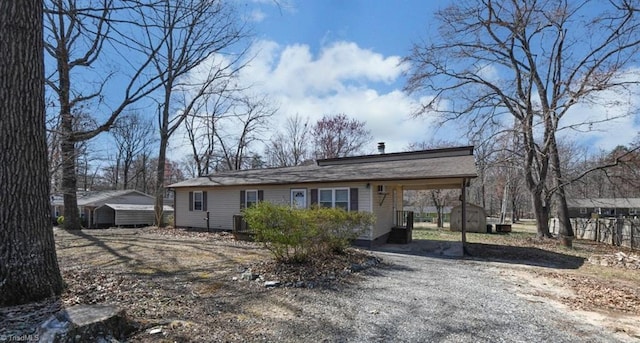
[(426, 299)]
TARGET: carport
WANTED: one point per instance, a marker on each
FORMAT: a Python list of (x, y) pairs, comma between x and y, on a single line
[(388, 176), (126, 215)]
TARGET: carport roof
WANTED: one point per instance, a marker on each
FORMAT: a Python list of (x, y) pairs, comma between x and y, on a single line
[(448, 163)]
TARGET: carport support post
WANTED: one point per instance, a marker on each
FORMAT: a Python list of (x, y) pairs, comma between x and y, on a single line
[(464, 214)]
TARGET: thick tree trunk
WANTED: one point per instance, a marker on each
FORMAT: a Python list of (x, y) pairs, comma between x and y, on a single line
[(542, 215), (28, 264), (565, 231)]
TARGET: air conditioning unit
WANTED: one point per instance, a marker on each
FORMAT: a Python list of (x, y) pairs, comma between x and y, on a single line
[(382, 189)]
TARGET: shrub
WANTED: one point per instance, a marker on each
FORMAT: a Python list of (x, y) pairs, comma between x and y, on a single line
[(337, 228), (60, 221), (292, 235)]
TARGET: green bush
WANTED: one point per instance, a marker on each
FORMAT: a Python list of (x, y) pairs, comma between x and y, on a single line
[(337, 228), (60, 220), (292, 234)]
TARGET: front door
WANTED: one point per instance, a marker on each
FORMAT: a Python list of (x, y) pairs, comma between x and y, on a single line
[(299, 198)]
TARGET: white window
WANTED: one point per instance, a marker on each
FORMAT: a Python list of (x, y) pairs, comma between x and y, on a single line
[(334, 197), (197, 201), (299, 198), (251, 198)]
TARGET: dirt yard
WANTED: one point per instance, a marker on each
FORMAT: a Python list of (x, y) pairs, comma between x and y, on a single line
[(181, 286)]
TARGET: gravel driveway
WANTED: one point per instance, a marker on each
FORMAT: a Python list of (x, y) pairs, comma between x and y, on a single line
[(427, 299)]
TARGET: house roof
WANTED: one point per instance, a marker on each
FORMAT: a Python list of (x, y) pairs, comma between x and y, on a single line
[(417, 165), (131, 207), (97, 198), (604, 202)]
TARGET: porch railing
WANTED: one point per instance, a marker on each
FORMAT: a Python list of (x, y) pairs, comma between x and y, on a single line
[(404, 219), (241, 229), (402, 231)]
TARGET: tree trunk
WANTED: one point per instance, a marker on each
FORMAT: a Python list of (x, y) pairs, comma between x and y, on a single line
[(67, 146), (159, 193), (69, 184), (28, 263), (565, 231), (542, 215)]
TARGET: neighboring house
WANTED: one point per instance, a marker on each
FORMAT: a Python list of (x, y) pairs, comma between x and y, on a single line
[(112, 208), (604, 207), (372, 183)]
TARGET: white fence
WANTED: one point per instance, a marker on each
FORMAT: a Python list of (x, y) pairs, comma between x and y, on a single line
[(614, 231)]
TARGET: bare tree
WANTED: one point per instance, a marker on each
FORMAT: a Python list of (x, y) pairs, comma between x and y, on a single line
[(75, 39), (291, 147), (529, 61), (244, 125), (134, 136), (28, 264), (194, 36), (338, 136), (201, 125)]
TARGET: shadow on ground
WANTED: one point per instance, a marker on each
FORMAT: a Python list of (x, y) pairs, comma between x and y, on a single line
[(522, 255)]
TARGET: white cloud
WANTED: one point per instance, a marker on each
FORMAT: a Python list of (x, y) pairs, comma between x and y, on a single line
[(257, 15), (609, 119), (342, 78)]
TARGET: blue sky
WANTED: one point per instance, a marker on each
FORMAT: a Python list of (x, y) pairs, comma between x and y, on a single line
[(328, 57), (317, 57)]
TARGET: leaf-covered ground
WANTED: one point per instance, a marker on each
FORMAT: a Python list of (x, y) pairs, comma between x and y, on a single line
[(180, 286)]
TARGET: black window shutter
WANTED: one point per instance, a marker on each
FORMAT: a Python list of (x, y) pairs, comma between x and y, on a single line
[(241, 200), (190, 201), (204, 200), (260, 195), (353, 199), (314, 196)]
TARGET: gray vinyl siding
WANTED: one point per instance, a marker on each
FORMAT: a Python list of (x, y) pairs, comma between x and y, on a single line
[(224, 202)]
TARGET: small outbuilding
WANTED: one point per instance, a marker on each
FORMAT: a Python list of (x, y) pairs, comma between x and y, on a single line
[(476, 219), (127, 215), (114, 208)]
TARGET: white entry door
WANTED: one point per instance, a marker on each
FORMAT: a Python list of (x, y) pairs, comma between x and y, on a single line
[(299, 198)]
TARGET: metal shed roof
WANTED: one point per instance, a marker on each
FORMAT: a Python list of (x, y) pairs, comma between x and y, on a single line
[(97, 198), (131, 207)]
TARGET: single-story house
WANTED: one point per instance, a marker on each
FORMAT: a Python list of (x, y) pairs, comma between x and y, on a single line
[(603, 207), (113, 208), (372, 183)]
